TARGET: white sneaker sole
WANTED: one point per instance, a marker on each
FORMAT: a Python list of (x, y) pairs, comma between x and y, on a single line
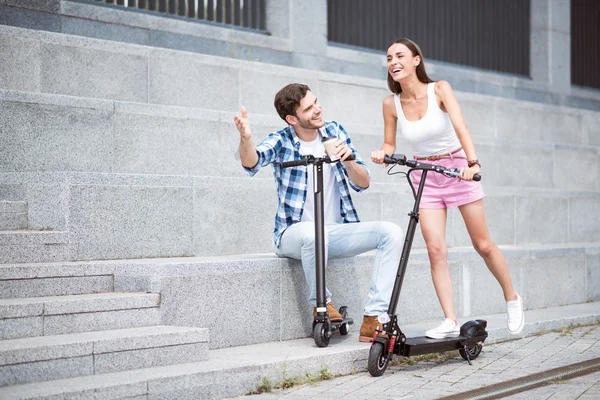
[(441, 335)]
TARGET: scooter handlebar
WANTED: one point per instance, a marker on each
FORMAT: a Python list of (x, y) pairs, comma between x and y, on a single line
[(401, 160), (313, 160)]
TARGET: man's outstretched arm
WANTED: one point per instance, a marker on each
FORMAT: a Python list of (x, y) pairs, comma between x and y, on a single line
[(248, 154)]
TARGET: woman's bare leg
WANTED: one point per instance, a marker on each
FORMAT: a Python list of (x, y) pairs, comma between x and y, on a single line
[(474, 218), (433, 227)]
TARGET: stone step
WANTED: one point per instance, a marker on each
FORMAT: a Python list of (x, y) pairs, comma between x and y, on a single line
[(261, 290), (34, 246), (95, 353), (55, 279), (239, 370), (147, 137), (55, 315)]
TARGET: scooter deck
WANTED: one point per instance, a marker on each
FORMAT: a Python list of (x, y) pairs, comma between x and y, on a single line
[(424, 345)]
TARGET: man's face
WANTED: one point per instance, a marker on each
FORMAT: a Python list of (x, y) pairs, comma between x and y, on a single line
[(309, 113)]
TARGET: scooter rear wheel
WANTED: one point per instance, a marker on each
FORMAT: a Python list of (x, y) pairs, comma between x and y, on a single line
[(320, 335), (378, 360), (344, 329), (473, 352)]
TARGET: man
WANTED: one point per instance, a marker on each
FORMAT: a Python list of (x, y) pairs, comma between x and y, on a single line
[(345, 235)]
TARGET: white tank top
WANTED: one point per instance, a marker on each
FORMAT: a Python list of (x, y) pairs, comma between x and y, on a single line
[(431, 135)]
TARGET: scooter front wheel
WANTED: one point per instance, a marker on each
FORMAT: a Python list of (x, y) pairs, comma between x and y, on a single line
[(378, 359), (320, 334)]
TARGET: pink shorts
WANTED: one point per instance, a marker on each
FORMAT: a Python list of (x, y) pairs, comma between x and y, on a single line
[(443, 192)]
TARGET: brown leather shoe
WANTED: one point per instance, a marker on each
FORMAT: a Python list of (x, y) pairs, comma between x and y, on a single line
[(367, 329), (334, 315)]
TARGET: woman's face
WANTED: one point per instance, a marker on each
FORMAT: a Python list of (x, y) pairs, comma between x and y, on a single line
[(400, 61)]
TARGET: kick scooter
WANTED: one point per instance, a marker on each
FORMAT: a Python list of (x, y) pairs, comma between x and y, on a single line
[(390, 340), (323, 327)]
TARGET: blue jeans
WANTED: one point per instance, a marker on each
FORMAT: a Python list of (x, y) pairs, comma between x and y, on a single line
[(347, 240)]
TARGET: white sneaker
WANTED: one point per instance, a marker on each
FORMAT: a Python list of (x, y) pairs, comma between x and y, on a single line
[(446, 329), (516, 316)]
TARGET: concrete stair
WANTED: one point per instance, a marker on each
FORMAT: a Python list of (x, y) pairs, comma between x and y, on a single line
[(55, 315), (91, 353), (235, 371), (60, 321)]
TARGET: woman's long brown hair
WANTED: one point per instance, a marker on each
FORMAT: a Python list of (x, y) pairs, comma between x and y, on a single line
[(394, 86)]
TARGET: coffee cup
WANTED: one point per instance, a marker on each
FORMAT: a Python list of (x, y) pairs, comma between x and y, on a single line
[(330, 144)]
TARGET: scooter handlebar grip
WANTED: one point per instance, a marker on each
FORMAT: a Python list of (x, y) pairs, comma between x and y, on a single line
[(477, 177), (294, 163)]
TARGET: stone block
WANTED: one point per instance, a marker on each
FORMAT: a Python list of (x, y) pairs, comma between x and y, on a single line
[(105, 31), (480, 116), (54, 286), (589, 127), (528, 166), (585, 179), (339, 101), (482, 293), (309, 30), (218, 231), (48, 206), (20, 68), (49, 6), (17, 253), (90, 72), (88, 322), (12, 191), (191, 43), (184, 80), (148, 144), (14, 328), (258, 88), (46, 370), (541, 219), (582, 226), (98, 303), (206, 301), (540, 123), (13, 221), (593, 277), (40, 137), (131, 221), (564, 281), (29, 19), (147, 358), (368, 205)]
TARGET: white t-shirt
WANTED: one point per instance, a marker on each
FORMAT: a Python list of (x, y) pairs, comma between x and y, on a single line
[(331, 190)]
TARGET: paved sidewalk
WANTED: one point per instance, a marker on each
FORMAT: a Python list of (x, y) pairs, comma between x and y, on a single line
[(497, 363)]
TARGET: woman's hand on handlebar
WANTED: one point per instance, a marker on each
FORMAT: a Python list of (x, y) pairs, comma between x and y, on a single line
[(243, 124), (377, 156), (467, 173)]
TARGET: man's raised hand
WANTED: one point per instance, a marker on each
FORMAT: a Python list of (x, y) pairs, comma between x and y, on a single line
[(242, 124)]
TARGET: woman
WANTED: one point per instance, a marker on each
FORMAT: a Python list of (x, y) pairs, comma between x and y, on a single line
[(430, 119)]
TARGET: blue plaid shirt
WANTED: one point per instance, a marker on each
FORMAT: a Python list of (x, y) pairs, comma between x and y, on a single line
[(283, 145)]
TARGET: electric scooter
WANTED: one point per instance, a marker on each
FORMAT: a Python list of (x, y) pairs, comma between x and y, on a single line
[(390, 340), (323, 327)]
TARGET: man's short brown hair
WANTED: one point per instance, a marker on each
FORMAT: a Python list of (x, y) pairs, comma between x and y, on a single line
[(287, 100)]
